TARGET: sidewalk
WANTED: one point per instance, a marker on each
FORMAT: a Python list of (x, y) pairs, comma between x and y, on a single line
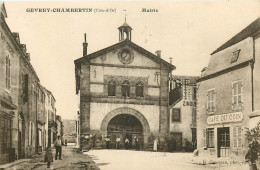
[(11, 164), (71, 159)]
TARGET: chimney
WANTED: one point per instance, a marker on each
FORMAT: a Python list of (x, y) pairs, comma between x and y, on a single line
[(170, 60), (28, 56), (203, 72), (85, 46), (158, 53)]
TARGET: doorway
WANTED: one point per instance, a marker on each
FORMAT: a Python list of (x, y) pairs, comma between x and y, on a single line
[(223, 142), (125, 126), (177, 141)]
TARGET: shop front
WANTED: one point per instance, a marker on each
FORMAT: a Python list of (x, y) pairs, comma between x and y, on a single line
[(225, 135)]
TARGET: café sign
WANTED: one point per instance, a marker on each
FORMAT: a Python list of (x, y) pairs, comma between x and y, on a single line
[(225, 118)]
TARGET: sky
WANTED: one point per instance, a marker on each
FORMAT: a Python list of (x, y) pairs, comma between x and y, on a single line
[(187, 31)]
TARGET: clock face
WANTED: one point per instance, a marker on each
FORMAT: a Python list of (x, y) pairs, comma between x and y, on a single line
[(126, 56)]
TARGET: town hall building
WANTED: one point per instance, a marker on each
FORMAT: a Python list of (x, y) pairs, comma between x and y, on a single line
[(123, 92)]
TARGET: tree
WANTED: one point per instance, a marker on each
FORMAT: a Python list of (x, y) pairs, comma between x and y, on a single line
[(253, 138)]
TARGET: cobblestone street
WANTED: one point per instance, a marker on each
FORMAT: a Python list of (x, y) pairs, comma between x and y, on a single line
[(71, 159)]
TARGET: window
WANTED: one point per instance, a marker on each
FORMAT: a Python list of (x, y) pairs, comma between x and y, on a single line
[(111, 88), (139, 89), (176, 115), (210, 137), (235, 56), (126, 89), (211, 101), (7, 73), (25, 87), (237, 93), (237, 137)]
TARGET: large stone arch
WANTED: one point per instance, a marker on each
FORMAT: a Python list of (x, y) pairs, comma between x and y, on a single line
[(129, 111)]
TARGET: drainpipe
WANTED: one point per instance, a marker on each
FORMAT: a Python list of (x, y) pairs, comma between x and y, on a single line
[(252, 75), (36, 125)]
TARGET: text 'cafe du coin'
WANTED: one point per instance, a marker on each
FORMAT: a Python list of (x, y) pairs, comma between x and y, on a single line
[(225, 118)]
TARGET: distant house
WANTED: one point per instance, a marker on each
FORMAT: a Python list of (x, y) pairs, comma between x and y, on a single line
[(183, 113)]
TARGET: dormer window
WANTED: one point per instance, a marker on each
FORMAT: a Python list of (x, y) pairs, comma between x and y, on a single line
[(235, 56)]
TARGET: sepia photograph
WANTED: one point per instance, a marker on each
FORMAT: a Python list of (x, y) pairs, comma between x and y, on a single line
[(130, 85)]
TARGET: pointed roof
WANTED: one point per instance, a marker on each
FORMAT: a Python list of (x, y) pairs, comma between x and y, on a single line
[(130, 44), (125, 25), (249, 31)]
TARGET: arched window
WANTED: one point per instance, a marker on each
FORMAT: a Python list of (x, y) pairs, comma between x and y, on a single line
[(126, 88), (111, 88), (139, 90)]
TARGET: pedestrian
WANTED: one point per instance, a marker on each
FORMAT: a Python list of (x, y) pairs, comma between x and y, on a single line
[(117, 142), (58, 148), (66, 142), (136, 143), (126, 143), (107, 139), (48, 157), (155, 143)]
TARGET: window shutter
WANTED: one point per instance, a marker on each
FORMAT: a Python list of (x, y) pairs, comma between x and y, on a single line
[(25, 90), (240, 89), (204, 138), (30, 127), (239, 136), (235, 137)]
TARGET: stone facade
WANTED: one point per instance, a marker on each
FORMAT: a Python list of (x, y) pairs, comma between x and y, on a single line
[(22, 99), (95, 72), (227, 96), (9, 76)]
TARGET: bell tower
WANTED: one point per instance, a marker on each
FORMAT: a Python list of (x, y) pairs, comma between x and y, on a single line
[(125, 31)]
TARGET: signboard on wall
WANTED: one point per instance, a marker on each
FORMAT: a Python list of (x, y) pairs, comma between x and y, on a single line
[(225, 118)]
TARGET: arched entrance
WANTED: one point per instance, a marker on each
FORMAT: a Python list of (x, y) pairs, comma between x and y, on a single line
[(126, 122), (125, 126)]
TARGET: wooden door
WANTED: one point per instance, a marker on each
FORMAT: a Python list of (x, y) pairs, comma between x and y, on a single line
[(223, 142)]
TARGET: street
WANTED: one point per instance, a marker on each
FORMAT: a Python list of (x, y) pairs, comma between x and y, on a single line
[(126, 160), (142, 160)]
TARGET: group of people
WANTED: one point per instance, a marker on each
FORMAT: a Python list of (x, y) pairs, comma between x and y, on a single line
[(48, 154), (126, 142)]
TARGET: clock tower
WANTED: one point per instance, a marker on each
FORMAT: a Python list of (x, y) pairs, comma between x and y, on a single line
[(125, 32)]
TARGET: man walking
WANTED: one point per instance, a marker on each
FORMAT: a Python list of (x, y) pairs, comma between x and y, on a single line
[(58, 148), (117, 142), (126, 143), (107, 139)]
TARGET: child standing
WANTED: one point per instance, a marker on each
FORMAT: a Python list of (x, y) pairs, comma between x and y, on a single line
[(48, 157)]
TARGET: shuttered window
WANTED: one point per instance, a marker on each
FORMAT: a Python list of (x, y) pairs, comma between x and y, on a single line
[(210, 137), (237, 88), (211, 101), (7, 72), (25, 87), (237, 136)]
